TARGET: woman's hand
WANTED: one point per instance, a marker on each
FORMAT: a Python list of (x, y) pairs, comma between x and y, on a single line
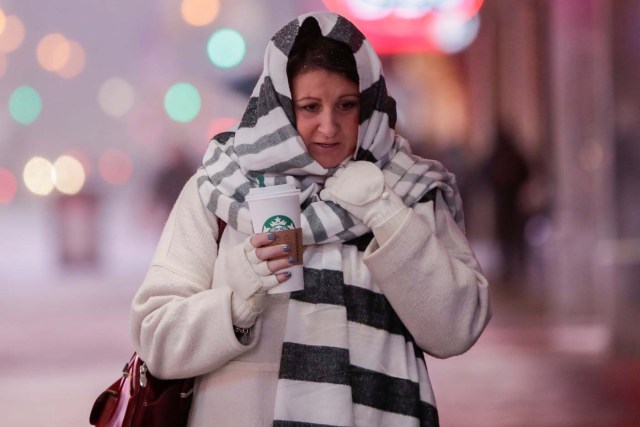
[(360, 188), (267, 259), (252, 268)]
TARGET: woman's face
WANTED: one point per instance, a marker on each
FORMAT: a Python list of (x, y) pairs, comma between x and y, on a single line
[(327, 108)]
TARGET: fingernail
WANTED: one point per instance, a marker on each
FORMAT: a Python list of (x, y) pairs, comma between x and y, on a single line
[(288, 274), (286, 249), (271, 236), (292, 260)]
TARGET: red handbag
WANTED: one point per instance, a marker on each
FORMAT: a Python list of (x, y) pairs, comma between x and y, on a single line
[(138, 399)]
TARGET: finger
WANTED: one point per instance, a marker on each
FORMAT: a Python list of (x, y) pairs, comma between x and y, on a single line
[(262, 239), (283, 277), (280, 264), (271, 252)]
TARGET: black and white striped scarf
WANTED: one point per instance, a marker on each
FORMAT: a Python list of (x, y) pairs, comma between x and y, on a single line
[(347, 359)]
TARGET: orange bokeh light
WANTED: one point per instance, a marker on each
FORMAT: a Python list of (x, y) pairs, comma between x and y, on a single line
[(199, 12), (3, 20), (13, 34), (53, 52), (76, 62)]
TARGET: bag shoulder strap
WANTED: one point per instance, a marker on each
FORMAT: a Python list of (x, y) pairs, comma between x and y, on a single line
[(221, 226)]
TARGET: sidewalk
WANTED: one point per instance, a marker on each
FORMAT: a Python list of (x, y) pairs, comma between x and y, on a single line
[(526, 371), (59, 349)]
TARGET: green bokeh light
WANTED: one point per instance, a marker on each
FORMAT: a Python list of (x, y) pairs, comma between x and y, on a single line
[(25, 105), (226, 48), (182, 102)]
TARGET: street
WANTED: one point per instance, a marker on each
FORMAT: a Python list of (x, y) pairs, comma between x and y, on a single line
[(59, 348)]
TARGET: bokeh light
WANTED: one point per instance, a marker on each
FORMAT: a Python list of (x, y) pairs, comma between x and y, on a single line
[(53, 51), (213, 128), (453, 33), (447, 5), (39, 176), (13, 34), (8, 186), (83, 158), (465, 7), (182, 102), (115, 166), (199, 12), (70, 176), (25, 105), (220, 124), (116, 97), (76, 62), (226, 48), (3, 20), (369, 10), (413, 9)]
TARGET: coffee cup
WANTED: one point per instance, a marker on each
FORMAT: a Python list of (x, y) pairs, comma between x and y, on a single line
[(276, 209)]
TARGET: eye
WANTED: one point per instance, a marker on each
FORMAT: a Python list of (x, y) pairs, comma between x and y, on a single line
[(310, 107), (348, 104)]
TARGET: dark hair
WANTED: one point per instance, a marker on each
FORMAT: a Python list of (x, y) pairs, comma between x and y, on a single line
[(313, 51)]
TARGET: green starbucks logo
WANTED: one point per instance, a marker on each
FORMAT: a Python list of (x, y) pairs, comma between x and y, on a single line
[(278, 223)]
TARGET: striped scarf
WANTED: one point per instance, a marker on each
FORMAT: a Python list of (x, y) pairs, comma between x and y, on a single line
[(347, 359)]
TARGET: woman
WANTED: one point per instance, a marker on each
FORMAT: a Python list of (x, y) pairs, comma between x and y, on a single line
[(388, 273)]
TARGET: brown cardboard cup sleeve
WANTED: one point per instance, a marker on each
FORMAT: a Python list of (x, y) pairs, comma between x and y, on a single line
[(293, 238)]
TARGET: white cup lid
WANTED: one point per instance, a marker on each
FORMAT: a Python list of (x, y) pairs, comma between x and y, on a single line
[(272, 190)]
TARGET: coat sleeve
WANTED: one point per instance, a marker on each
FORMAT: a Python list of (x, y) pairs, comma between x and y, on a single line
[(181, 326), (432, 279)]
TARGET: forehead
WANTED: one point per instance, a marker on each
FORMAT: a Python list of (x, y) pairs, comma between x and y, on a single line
[(323, 82)]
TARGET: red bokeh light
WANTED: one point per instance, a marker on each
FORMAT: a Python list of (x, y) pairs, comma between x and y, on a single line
[(8, 186), (115, 166)]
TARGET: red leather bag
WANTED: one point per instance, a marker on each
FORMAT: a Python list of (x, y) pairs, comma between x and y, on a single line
[(138, 399)]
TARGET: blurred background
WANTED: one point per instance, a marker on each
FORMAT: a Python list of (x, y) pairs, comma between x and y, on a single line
[(106, 109)]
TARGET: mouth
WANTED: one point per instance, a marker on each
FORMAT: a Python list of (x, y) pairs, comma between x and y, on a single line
[(326, 145)]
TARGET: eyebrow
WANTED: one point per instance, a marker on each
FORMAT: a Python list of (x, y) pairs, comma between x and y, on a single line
[(306, 97), (357, 95)]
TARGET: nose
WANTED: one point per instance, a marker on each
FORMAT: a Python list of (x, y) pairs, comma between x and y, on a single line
[(328, 125)]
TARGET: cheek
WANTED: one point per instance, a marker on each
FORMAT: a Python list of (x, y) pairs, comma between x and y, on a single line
[(304, 128), (352, 127)]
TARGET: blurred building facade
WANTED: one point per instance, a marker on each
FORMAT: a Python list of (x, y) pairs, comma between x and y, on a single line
[(560, 76)]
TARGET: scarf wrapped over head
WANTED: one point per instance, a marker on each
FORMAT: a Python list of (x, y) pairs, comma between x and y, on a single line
[(347, 359)]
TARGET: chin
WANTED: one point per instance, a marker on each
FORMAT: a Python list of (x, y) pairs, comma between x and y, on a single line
[(328, 162)]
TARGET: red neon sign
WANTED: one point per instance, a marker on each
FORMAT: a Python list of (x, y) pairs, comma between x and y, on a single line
[(397, 28)]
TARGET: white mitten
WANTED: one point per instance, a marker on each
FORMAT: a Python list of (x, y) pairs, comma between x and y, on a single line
[(360, 189), (251, 281)]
